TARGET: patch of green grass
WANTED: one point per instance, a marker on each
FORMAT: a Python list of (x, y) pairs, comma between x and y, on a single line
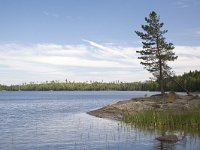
[(166, 120)]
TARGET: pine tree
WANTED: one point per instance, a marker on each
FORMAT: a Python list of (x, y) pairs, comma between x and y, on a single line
[(156, 51)]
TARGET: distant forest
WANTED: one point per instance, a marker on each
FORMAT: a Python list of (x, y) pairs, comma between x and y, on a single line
[(191, 81)]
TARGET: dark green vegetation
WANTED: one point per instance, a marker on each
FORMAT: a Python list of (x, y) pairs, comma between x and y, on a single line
[(156, 51), (190, 80), (167, 120), (82, 86)]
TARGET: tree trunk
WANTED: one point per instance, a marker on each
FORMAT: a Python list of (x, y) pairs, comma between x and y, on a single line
[(161, 78)]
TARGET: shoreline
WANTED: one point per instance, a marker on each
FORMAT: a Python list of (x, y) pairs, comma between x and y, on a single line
[(168, 102)]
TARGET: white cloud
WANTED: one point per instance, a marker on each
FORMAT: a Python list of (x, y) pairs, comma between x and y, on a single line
[(46, 13), (89, 61), (197, 32), (186, 3), (188, 59), (182, 4)]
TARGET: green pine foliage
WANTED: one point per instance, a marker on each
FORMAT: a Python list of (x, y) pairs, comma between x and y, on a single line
[(190, 81), (156, 52)]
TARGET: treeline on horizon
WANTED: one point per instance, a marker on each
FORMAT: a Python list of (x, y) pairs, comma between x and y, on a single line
[(190, 81)]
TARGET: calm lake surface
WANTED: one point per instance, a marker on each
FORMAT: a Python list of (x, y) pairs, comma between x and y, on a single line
[(58, 120)]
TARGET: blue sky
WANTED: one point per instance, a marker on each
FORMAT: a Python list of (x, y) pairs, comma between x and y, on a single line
[(90, 39)]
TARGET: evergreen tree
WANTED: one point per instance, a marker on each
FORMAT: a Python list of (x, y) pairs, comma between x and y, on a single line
[(156, 51)]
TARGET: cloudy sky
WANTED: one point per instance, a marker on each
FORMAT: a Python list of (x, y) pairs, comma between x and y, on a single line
[(84, 40)]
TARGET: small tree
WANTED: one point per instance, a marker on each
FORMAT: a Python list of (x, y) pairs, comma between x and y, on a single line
[(156, 51)]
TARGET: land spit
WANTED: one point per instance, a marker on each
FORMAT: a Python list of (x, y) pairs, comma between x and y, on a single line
[(166, 102)]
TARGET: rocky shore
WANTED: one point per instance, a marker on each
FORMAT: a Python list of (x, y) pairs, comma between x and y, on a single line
[(170, 101)]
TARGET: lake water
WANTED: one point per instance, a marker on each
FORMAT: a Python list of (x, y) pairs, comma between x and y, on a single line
[(58, 121)]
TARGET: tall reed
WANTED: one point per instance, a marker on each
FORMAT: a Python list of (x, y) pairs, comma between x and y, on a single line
[(166, 120)]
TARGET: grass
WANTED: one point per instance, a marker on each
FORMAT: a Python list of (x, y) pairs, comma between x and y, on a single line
[(188, 121)]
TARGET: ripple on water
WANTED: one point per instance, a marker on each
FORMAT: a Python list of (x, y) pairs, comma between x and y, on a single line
[(57, 120)]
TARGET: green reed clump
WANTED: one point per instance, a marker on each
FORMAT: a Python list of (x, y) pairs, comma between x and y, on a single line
[(166, 120)]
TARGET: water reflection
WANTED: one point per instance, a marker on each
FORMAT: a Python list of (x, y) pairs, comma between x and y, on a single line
[(187, 143)]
